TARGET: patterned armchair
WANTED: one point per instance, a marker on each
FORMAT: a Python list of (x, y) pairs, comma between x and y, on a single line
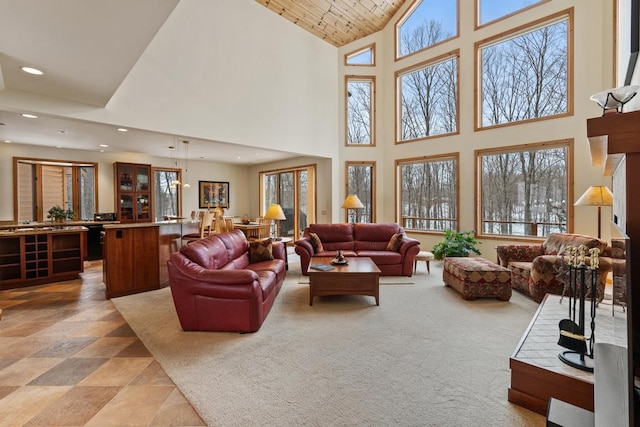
[(537, 269)]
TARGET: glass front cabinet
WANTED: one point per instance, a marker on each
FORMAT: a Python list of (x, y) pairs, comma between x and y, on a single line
[(133, 192)]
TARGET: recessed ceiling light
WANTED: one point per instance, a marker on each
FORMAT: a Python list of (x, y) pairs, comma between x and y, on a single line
[(32, 70), (62, 132), (237, 157), (104, 145), (123, 130), (8, 141), (29, 116), (58, 146), (102, 151)]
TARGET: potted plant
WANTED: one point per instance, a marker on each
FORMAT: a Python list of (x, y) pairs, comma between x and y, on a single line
[(59, 214), (456, 243)]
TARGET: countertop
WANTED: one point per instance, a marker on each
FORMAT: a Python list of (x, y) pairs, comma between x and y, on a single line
[(111, 226), (52, 224), (23, 231)]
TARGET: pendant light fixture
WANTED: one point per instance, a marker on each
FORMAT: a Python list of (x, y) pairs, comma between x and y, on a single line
[(186, 164), (174, 160)]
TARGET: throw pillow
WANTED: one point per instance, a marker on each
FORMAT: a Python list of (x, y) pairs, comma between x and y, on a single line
[(260, 250), (316, 244), (395, 242)]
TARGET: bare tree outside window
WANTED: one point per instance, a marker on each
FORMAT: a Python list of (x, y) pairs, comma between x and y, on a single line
[(361, 182), (360, 99), (524, 192), (427, 22), (165, 199), (526, 76), (428, 100), (428, 193)]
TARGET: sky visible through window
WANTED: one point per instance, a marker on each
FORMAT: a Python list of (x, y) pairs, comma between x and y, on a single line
[(445, 12)]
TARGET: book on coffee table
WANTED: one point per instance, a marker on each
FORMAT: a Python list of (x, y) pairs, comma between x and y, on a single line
[(322, 267)]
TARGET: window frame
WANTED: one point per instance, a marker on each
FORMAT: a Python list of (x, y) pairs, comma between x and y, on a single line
[(513, 33), (371, 47), (179, 190), (372, 165), (454, 54), (404, 17), (568, 143), (312, 197), (41, 215), (479, 25), (372, 109), (455, 156)]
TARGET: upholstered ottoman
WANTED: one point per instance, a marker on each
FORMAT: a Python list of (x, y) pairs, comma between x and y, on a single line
[(477, 277)]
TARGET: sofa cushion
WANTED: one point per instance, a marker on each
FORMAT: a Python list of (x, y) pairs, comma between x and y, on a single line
[(260, 250), (382, 257), (236, 243), (375, 232), (395, 242), (329, 233), (316, 243), (209, 253)]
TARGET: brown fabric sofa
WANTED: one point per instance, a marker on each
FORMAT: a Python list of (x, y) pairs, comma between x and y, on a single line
[(361, 239), (216, 287), (536, 269)]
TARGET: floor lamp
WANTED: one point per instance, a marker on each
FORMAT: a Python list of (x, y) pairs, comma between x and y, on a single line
[(596, 195), (275, 213), (352, 202)]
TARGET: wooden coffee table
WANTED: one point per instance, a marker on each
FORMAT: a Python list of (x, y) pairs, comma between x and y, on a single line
[(359, 277)]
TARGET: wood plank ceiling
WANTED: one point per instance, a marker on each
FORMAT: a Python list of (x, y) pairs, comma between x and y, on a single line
[(336, 21)]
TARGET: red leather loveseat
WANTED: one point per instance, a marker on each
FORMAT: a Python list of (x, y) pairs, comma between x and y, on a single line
[(215, 287), (361, 239)]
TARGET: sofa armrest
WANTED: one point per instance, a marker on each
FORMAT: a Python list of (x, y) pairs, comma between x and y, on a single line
[(517, 253), (279, 249), (304, 246), (407, 243)]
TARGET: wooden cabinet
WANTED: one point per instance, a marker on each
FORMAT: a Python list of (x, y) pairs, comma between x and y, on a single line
[(131, 260), (27, 259), (132, 192)]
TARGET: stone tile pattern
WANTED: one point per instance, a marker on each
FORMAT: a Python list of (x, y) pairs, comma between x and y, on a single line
[(67, 357)]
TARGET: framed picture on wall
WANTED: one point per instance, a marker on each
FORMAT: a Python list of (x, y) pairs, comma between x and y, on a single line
[(213, 194)]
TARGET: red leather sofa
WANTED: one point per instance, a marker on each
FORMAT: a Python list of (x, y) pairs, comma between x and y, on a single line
[(215, 287), (361, 239)]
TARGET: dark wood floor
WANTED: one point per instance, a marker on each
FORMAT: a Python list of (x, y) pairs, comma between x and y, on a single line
[(67, 357)]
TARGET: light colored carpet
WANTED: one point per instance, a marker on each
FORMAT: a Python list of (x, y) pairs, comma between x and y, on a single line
[(424, 357)]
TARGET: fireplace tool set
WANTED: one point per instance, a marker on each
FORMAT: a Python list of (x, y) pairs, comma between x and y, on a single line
[(582, 280)]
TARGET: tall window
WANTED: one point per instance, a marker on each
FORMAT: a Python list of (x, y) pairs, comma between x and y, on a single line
[(42, 183), (492, 10), (166, 194), (295, 191), (360, 101), (426, 23), (524, 191), (363, 56), (361, 181), (428, 192), (526, 76), (428, 99)]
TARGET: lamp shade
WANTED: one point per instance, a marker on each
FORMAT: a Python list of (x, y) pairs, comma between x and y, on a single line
[(352, 202), (596, 195), (275, 212)]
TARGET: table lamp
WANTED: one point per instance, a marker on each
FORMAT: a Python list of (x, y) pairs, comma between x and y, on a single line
[(352, 202), (596, 195), (275, 213)]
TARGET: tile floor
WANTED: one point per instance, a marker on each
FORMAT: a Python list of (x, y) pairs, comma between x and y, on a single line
[(67, 357)]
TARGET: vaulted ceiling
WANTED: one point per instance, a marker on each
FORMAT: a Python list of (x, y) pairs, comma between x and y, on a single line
[(337, 21)]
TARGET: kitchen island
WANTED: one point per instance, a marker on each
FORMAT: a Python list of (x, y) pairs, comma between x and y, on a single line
[(135, 254)]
